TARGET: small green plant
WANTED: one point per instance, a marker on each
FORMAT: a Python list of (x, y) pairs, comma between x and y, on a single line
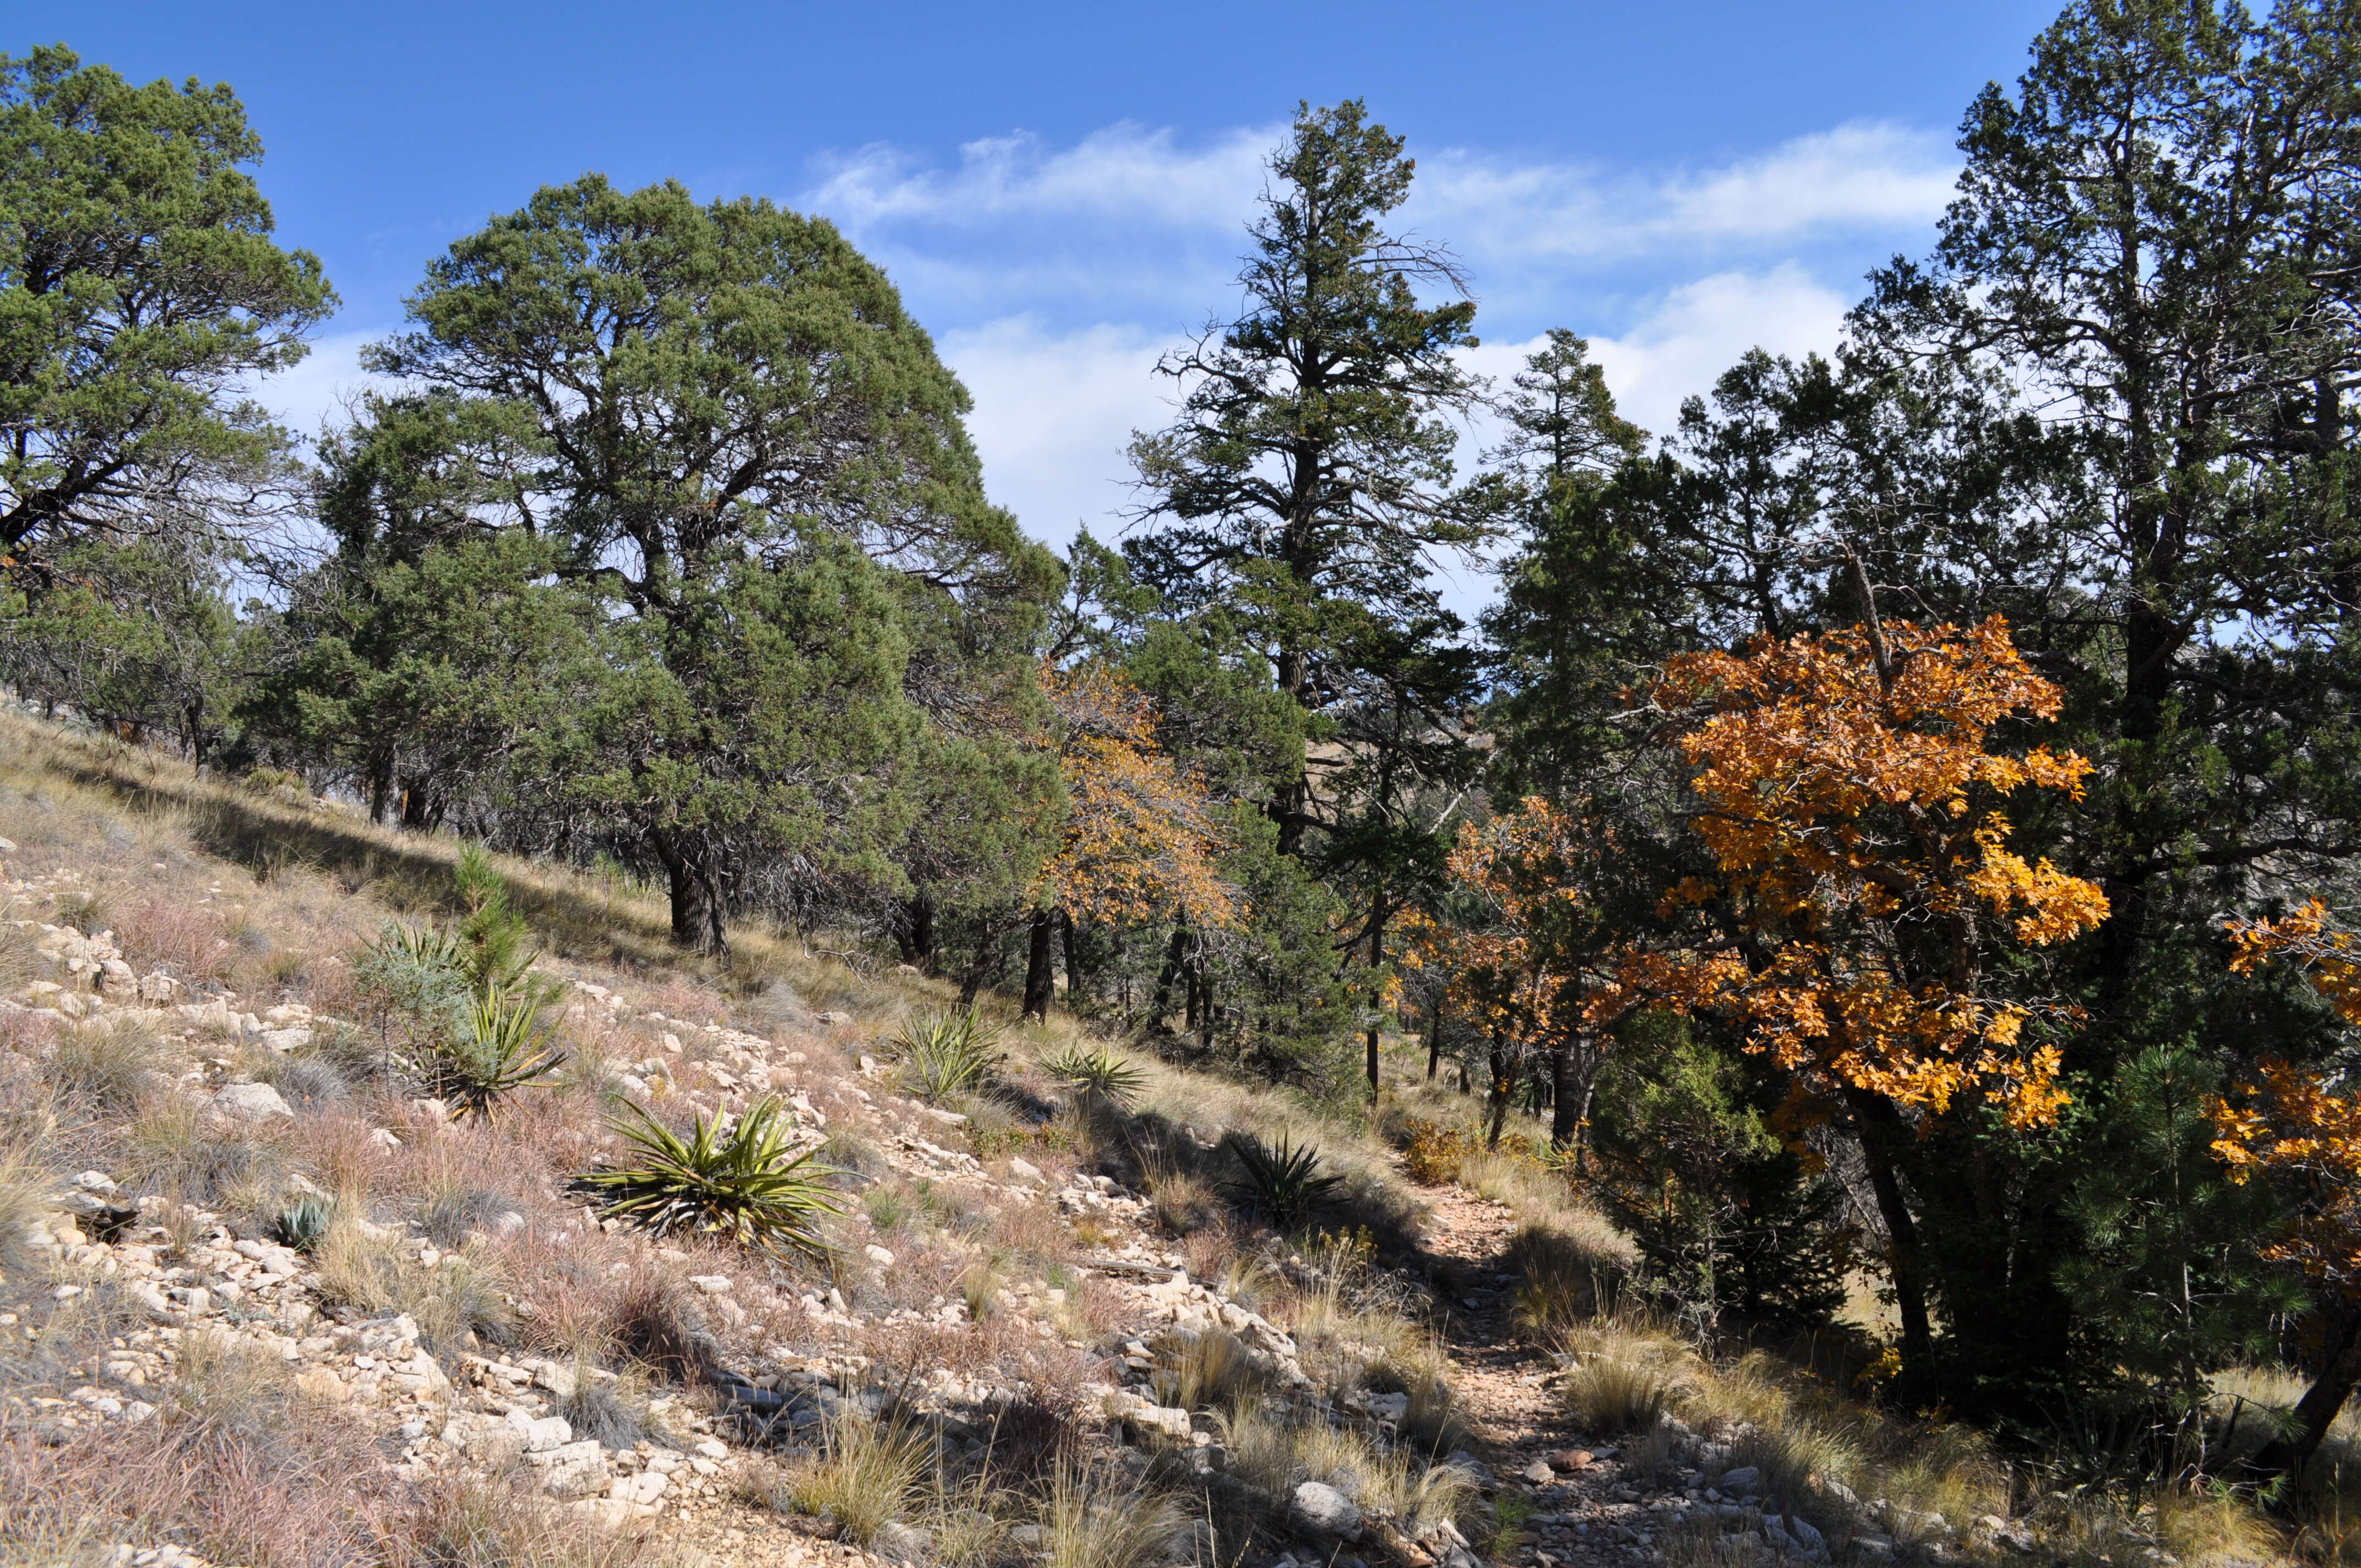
[(491, 938), (748, 1185), (303, 1223), (1283, 1179), (505, 1049), (1097, 1077), (946, 1055)]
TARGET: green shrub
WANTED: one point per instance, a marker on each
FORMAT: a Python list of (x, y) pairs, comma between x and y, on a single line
[(505, 1048), (1284, 1180), (946, 1055), (747, 1185), (1097, 1077), (413, 984)]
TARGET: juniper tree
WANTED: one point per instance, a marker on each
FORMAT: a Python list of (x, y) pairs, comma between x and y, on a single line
[(140, 294), (733, 419)]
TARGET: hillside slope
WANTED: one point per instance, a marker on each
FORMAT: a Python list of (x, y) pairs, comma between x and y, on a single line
[(269, 1300)]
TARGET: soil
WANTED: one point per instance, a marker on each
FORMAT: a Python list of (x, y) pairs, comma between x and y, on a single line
[(1507, 1395)]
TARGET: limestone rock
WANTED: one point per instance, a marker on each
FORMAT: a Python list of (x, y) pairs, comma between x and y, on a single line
[(1322, 1509), (250, 1102)]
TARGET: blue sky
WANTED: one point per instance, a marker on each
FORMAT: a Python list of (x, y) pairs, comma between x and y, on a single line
[(1059, 189)]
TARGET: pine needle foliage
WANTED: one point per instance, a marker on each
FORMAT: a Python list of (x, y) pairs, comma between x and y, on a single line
[(748, 1185)]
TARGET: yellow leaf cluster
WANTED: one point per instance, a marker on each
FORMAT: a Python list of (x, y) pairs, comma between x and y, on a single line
[(2302, 1129), (1849, 801), (1513, 971), (1139, 840)]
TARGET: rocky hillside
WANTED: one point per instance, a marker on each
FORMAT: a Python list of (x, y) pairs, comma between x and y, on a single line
[(278, 1291)]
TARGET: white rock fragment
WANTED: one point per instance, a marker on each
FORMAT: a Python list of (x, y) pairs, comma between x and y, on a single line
[(250, 1102)]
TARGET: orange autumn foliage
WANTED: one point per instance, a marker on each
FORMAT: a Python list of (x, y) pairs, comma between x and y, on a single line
[(1515, 969), (2301, 1128), (1139, 838), (1851, 796)]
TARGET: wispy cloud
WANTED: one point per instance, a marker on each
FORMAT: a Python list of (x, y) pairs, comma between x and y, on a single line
[(1142, 188)]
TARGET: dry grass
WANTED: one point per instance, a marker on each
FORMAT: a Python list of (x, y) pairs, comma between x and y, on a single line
[(486, 1521), (111, 1061), (1094, 1519), (866, 1476), (236, 1463), (379, 1271)]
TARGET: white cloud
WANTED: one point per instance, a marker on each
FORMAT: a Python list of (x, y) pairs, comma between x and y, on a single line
[(1054, 413), (1695, 332), (314, 394), (1127, 178), (1858, 175), (1124, 171)]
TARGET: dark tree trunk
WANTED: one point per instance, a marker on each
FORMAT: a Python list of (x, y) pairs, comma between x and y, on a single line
[(699, 923), (1434, 1037), (2340, 1369), (1073, 963), (1165, 976), (916, 935), (1878, 1126), (1572, 1072), (1504, 1084), (1039, 982), (380, 790)]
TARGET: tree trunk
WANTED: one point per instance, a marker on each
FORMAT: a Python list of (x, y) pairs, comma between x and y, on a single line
[(1504, 1083), (1875, 1124), (1040, 983), (1434, 1037), (380, 790), (2340, 1369), (916, 935), (1573, 1071), (698, 920), (1165, 976), (1073, 963)]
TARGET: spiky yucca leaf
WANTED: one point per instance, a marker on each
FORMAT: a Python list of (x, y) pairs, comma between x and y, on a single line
[(749, 1184), (1097, 1076), (946, 1055), (504, 1049), (1283, 1179)]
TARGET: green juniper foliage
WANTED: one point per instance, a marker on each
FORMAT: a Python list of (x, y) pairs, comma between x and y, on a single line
[(667, 552)]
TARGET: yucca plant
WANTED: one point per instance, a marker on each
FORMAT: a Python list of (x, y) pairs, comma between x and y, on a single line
[(302, 1224), (946, 1055), (1097, 1077), (505, 1048), (748, 1184), (1283, 1179)]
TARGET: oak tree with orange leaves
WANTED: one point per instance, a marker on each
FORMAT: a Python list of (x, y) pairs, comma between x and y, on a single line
[(1849, 792), (1139, 838), (1522, 959), (2299, 1128)]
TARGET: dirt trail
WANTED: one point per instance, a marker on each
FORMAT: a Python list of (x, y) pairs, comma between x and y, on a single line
[(1509, 1400)]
